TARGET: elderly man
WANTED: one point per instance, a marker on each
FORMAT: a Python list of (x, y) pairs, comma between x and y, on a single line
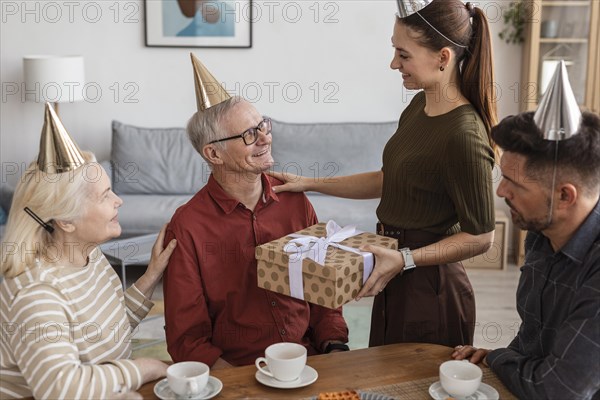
[(214, 310), (552, 188)]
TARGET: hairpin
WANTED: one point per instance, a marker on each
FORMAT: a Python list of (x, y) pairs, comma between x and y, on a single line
[(37, 219)]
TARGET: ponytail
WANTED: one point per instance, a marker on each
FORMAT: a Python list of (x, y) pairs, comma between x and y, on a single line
[(447, 23), (477, 73)]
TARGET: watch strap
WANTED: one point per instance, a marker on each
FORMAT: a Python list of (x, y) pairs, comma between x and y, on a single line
[(409, 263)]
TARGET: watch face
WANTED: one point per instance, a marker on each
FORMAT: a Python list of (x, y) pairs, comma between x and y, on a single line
[(408, 259)]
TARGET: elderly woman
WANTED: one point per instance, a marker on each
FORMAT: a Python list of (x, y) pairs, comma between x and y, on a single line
[(66, 323)]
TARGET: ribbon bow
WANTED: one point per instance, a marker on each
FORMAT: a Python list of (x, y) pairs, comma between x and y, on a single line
[(315, 248)]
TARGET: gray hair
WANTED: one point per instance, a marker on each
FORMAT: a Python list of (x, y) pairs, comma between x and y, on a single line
[(207, 126)]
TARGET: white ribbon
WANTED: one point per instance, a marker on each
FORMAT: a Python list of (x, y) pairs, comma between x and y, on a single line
[(315, 248)]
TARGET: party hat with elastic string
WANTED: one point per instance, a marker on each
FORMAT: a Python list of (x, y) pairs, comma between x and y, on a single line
[(558, 115), (408, 7)]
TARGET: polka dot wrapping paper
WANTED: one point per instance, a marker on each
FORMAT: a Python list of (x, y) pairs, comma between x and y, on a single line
[(331, 285)]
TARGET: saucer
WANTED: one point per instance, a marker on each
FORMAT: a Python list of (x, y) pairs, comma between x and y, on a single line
[(484, 392), (309, 375), (164, 392)]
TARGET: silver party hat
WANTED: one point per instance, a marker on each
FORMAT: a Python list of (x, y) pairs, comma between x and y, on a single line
[(408, 7), (558, 114)]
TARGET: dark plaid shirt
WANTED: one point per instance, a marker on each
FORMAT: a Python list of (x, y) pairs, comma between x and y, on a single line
[(556, 353)]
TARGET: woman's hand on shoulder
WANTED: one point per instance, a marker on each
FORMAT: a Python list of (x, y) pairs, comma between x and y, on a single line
[(160, 255), (291, 182)]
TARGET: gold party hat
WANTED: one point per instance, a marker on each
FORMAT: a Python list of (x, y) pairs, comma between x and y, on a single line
[(58, 151), (209, 91), (409, 7), (558, 114)]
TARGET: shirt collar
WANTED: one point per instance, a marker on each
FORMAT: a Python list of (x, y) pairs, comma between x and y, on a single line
[(579, 245), (228, 203), (267, 182)]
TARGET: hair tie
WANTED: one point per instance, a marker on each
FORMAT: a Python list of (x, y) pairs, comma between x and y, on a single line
[(470, 9), (40, 221)]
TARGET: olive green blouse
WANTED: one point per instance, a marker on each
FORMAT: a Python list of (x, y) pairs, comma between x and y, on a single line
[(437, 172)]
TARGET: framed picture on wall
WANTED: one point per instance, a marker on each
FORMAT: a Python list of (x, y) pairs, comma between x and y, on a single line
[(199, 23)]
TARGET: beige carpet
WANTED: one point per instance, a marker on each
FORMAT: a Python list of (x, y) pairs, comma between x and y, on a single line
[(158, 309), (147, 346), (157, 350)]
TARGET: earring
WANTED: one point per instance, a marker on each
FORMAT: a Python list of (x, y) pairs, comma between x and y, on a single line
[(441, 68)]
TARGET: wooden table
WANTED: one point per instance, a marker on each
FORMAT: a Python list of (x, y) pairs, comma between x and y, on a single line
[(393, 369)]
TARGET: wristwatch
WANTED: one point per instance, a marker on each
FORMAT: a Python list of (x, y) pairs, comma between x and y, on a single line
[(336, 346), (409, 263)]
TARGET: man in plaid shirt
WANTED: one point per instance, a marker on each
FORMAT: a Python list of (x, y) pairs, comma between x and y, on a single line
[(556, 353)]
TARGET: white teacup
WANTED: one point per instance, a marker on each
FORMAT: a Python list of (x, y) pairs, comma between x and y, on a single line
[(285, 361), (188, 378), (460, 378)]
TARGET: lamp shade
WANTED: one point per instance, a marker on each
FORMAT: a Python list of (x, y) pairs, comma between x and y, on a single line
[(55, 79)]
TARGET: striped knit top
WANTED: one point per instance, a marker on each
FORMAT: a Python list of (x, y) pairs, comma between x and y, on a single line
[(437, 172), (66, 332)]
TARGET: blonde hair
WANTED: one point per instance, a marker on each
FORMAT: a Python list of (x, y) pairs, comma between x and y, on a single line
[(61, 196)]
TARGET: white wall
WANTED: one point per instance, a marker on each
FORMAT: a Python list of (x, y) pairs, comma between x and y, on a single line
[(347, 60)]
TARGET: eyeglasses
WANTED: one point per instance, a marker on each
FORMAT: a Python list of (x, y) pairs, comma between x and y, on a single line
[(250, 135)]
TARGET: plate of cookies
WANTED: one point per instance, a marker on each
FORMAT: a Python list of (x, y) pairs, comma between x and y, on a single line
[(351, 395)]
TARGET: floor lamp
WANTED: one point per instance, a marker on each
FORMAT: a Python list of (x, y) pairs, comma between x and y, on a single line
[(56, 79)]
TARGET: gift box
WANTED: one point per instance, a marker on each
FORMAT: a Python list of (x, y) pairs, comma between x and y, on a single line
[(320, 264)]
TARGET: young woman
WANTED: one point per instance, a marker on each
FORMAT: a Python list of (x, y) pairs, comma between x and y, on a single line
[(436, 181)]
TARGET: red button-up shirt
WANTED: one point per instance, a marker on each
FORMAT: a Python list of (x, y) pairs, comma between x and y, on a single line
[(213, 306)]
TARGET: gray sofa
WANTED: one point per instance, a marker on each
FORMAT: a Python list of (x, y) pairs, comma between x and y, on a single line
[(6, 194), (155, 170)]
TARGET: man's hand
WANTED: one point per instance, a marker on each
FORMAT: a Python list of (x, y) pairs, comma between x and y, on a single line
[(388, 264), (473, 354)]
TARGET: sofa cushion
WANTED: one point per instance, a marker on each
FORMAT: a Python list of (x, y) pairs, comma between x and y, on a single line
[(141, 214), (155, 161), (329, 149), (108, 167), (6, 195), (346, 211), (332, 150)]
